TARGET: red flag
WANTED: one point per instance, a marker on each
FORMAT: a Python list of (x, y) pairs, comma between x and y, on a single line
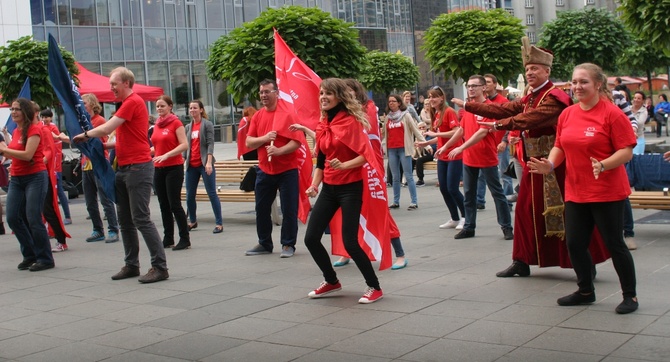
[(242, 130)]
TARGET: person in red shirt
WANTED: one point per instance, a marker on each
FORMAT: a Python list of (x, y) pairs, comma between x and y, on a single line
[(340, 158), (134, 178), (480, 155), (169, 140), (278, 171), (243, 152), (28, 188), (594, 139), (59, 137)]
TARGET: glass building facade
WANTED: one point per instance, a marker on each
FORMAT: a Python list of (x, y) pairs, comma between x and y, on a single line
[(165, 42)]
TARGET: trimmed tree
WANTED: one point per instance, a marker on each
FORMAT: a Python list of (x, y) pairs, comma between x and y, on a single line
[(25, 57), (245, 56), (650, 20), (642, 56), (386, 71), (472, 42), (592, 35)]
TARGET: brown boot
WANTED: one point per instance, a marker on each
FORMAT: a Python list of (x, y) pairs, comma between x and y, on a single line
[(154, 275), (126, 272), (517, 268)]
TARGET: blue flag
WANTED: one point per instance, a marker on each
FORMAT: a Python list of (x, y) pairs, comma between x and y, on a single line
[(77, 119), (24, 93)]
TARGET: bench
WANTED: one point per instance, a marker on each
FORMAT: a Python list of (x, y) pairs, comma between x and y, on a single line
[(659, 200), (430, 165)]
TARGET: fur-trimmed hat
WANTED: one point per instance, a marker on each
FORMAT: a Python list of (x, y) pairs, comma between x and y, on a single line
[(534, 55)]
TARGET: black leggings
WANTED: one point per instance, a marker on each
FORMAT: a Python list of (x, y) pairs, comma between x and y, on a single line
[(331, 198), (608, 217), (51, 216)]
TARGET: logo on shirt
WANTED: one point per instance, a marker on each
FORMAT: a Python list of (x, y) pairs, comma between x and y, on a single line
[(195, 134), (590, 132), (392, 125), (166, 132)]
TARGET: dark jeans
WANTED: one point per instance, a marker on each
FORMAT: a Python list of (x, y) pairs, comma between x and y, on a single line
[(193, 175), (266, 193), (492, 178), (580, 220), (628, 222), (449, 176), (51, 214), (349, 198), (93, 189), (168, 182), (25, 204), (64, 201), (419, 165), (507, 183), (133, 194)]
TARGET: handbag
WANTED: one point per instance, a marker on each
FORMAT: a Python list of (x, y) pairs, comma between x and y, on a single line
[(248, 183), (510, 170)]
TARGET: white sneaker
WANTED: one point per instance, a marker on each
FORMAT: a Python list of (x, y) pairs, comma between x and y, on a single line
[(449, 224), (461, 222)]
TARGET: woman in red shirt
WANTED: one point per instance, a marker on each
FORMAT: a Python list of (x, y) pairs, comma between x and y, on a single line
[(169, 140), (595, 140), (28, 188), (339, 139)]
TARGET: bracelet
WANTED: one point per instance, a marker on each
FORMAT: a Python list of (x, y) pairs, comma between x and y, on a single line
[(552, 166), (315, 187), (86, 134), (602, 167)]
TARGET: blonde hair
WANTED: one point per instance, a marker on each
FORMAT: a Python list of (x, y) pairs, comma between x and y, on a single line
[(126, 75), (93, 101), (597, 76), (437, 91), (341, 91), (201, 106)]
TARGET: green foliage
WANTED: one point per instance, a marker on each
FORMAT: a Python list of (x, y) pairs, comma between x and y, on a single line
[(472, 42), (386, 71), (27, 57), (592, 35), (643, 56), (650, 20), (245, 56)]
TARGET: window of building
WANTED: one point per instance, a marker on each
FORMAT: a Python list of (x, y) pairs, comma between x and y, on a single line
[(560, 3), (590, 2), (529, 3), (531, 37), (530, 19)]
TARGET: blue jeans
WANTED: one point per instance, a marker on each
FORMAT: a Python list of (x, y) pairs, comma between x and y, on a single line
[(193, 175), (25, 204), (492, 179), (133, 194), (266, 192), (64, 201), (449, 176), (507, 182), (639, 148), (397, 157), (93, 189)]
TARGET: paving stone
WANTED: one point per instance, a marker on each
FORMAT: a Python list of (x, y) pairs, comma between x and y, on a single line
[(248, 328), (609, 321), (94, 308), (84, 329), (532, 354), (190, 320), (425, 325), (241, 306), (140, 314), (259, 352), (381, 344), (192, 346), (192, 300), (136, 356), (333, 356), (660, 327), (311, 336), (650, 348), (135, 337), (357, 318), (463, 309), (296, 312), (530, 314), (498, 332), (579, 341), (27, 344), (38, 321), (74, 352), (442, 350)]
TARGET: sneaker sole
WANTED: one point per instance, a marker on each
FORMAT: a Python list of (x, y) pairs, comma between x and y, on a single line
[(368, 301), (317, 296), (257, 253), (286, 255)]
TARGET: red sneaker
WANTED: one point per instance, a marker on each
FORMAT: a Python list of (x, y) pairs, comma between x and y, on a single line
[(371, 295), (324, 288)]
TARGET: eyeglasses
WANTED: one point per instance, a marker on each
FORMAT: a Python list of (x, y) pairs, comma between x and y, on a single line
[(15, 109), (266, 92), (472, 86)]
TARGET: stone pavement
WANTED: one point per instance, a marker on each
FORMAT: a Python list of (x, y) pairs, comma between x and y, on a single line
[(220, 305)]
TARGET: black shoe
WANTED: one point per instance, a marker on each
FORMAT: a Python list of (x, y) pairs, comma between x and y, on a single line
[(258, 249), (192, 226), (126, 272), (481, 207), (517, 268), (629, 305), (2, 228), (25, 264), (39, 266), (509, 234), (593, 272), (168, 243), (465, 233), (578, 298), (183, 244)]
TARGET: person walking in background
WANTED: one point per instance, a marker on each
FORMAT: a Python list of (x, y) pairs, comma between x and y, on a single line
[(93, 187), (28, 188), (278, 171), (200, 163), (243, 152), (169, 140), (444, 127), (59, 137), (134, 178), (599, 153), (341, 145), (399, 134)]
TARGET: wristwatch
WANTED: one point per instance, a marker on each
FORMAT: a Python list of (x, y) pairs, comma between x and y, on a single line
[(86, 135), (602, 167)]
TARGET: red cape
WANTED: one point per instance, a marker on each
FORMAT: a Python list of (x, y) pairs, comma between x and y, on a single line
[(50, 154)]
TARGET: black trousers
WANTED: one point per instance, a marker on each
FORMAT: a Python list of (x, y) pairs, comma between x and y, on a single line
[(580, 220), (419, 164), (331, 198), (168, 182), (51, 217)]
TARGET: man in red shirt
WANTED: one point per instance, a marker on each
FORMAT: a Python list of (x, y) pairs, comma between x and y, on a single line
[(134, 178), (278, 163), (480, 154)]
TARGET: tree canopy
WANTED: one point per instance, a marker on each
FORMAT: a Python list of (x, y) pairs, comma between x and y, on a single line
[(245, 56), (650, 20), (386, 71), (472, 42), (580, 36), (643, 56), (25, 57)]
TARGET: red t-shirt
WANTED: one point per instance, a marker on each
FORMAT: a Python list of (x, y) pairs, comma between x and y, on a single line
[(132, 143), (165, 140), (597, 133), (265, 121), (395, 134), (331, 145), (196, 158), (449, 122), (483, 153), (58, 147), (36, 164)]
